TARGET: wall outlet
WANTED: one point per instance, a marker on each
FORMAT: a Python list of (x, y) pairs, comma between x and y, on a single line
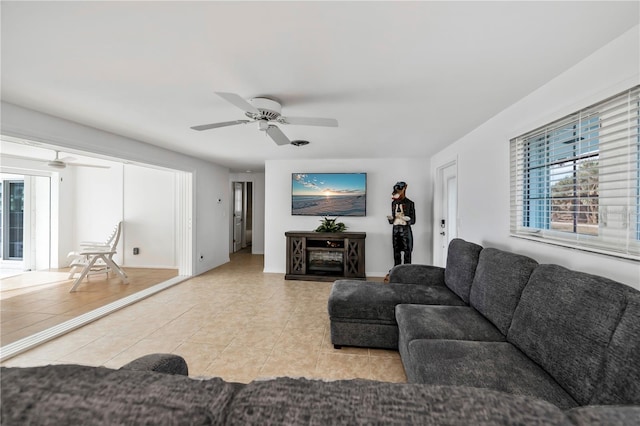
[(136, 250)]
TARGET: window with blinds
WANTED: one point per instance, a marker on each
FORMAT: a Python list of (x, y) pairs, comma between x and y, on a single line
[(576, 181)]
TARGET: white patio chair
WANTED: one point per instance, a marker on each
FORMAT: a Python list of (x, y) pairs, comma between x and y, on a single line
[(96, 258)]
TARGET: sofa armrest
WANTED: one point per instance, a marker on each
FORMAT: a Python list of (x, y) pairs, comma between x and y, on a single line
[(162, 363), (417, 274)]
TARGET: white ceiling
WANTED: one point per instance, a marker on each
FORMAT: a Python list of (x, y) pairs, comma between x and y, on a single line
[(402, 78)]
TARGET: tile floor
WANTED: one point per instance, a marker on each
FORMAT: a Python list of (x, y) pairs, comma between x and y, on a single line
[(235, 322)]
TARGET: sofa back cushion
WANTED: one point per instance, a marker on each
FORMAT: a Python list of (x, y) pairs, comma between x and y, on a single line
[(287, 401), (620, 382), (499, 280), (564, 322), (462, 259)]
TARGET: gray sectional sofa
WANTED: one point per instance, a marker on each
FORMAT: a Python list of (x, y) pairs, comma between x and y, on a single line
[(492, 339), (498, 320), (154, 390)]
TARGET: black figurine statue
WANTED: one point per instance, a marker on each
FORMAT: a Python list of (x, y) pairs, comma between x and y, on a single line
[(402, 216)]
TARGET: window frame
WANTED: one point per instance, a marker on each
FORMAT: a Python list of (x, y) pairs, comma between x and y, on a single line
[(596, 136)]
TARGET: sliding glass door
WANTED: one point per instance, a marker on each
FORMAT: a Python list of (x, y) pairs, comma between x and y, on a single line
[(12, 220), (25, 222)]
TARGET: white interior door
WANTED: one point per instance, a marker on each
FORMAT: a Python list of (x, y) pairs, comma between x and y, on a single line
[(445, 211)]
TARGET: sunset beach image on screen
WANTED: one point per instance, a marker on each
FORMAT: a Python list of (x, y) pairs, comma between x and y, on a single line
[(329, 194)]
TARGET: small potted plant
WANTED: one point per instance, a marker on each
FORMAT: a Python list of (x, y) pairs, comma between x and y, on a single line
[(330, 225)]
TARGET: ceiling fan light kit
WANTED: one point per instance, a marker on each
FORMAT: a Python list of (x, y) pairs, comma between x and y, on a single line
[(264, 111)]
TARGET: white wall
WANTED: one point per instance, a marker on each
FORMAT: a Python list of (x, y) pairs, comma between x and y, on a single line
[(149, 219), (211, 231), (96, 207), (40, 220), (62, 223), (210, 181), (257, 243), (483, 157), (381, 176)]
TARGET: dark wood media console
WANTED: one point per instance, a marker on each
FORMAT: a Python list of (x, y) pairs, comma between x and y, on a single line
[(325, 256)]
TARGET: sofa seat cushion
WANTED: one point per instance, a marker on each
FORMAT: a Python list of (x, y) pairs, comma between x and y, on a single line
[(82, 395), (417, 322), (376, 301), (444, 322), (494, 365), (286, 401), (565, 321)]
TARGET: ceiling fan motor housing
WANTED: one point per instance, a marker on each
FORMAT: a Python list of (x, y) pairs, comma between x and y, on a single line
[(269, 109), (58, 164), (265, 111)]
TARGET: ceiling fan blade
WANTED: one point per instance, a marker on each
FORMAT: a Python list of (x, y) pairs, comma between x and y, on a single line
[(47, 162), (238, 101), (276, 134), (223, 124), (88, 165), (20, 157), (311, 121)]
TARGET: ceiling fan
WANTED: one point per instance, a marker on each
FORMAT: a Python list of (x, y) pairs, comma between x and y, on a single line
[(264, 111), (59, 163)]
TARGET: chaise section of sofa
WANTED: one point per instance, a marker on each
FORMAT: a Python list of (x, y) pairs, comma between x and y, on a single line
[(363, 313)]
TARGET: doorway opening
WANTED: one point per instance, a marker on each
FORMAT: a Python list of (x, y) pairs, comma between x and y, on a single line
[(242, 215), (445, 211), (33, 225)]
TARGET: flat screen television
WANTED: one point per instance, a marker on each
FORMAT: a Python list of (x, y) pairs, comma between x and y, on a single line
[(329, 194)]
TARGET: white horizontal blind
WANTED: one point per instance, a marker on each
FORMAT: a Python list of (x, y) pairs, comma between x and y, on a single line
[(576, 181)]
